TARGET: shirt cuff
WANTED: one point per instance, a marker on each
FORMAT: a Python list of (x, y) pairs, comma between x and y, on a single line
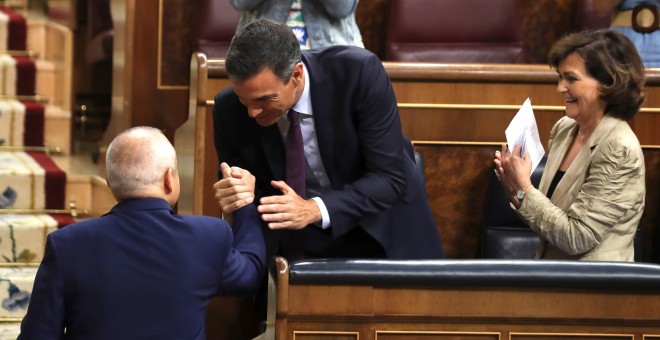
[(325, 216)]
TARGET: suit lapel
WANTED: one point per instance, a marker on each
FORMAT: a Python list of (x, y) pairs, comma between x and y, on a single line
[(577, 169), (561, 143), (552, 165), (556, 156), (572, 174), (319, 92)]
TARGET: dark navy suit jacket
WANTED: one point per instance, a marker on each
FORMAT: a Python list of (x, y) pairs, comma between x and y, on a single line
[(370, 163), (142, 272)]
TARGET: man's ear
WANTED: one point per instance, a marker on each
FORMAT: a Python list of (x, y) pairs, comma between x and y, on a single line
[(168, 181), (297, 74)]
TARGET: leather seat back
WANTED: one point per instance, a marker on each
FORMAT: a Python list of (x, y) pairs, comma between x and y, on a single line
[(586, 14), (216, 25), (503, 234), (467, 31)]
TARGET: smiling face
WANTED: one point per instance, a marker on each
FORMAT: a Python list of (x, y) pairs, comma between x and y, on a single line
[(580, 90), (267, 97)]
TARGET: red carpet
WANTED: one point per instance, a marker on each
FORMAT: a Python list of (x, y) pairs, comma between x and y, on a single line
[(17, 35), (55, 180), (33, 133)]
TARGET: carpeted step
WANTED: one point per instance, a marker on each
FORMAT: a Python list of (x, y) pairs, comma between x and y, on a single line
[(16, 284), (30, 180), (23, 236), (9, 330)]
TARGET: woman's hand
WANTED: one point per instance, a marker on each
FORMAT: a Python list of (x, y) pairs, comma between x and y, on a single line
[(513, 171)]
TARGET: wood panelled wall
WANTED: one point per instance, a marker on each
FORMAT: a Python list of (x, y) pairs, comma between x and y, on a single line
[(153, 46)]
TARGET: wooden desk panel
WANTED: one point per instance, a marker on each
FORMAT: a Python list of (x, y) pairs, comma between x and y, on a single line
[(327, 310)]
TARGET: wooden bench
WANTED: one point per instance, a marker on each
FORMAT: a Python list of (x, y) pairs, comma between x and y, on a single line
[(464, 299)]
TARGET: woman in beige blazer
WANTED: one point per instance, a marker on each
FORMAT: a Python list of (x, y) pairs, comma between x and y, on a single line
[(591, 196)]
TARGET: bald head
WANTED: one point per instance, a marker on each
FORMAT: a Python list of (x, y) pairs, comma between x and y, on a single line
[(138, 164)]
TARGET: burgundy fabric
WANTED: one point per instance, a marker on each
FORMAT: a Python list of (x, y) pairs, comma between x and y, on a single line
[(62, 220), (482, 31), (100, 32), (216, 25), (17, 35), (55, 180), (33, 132), (99, 17), (26, 71), (585, 16)]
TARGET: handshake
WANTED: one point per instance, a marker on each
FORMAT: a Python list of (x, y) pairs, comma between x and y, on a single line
[(236, 189)]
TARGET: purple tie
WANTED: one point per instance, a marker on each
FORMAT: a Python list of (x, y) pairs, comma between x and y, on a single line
[(295, 178), (295, 158)]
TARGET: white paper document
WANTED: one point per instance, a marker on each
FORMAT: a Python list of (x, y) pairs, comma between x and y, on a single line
[(522, 131)]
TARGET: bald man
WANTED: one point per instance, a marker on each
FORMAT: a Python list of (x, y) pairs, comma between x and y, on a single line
[(141, 271)]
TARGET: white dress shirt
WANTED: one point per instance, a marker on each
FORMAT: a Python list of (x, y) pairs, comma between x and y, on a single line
[(310, 144)]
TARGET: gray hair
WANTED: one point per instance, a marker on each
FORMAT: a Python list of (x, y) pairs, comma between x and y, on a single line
[(136, 160)]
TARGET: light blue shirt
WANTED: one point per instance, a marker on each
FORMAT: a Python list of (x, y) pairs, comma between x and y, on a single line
[(327, 22), (647, 44), (310, 145)]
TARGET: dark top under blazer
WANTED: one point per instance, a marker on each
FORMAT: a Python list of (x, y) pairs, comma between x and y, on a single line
[(369, 162), (141, 272)]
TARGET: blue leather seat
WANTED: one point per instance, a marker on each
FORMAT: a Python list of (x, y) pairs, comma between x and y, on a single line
[(573, 275)]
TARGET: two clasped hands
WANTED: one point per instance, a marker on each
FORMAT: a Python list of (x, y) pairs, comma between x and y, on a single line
[(514, 172), (287, 211)]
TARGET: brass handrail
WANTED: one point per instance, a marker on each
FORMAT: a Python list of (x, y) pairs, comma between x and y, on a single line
[(18, 264), (35, 98), (18, 53), (47, 149), (73, 211), (494, 107), (7, 319)]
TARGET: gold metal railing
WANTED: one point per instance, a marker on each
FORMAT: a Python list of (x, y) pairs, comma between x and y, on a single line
[(52, 150), (493, 107), (17, 53), (73, 211), (36, 98)]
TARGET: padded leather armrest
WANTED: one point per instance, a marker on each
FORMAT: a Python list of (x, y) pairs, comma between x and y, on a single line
[(579, 275)]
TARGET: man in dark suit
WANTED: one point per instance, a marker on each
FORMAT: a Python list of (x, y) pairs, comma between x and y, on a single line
[(363, 196), (141, 271)]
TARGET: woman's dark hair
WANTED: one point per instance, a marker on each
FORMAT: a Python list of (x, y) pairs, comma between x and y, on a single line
[(612, 59)]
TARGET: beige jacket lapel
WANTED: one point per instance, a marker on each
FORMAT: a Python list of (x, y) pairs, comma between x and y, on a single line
[(561, 142), (570, 185)]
